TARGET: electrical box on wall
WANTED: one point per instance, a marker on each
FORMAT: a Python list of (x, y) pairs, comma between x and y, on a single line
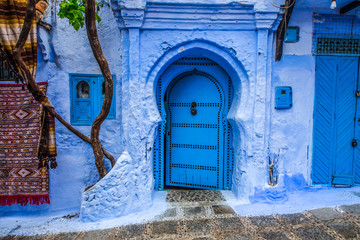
[(292, 35), (283, 97)]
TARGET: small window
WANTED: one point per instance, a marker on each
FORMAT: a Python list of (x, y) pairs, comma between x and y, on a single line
[(83, 90), (87, 96)]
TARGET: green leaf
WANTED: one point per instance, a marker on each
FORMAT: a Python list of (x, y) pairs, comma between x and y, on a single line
[(97, 17), (74, 11), (76, 25)]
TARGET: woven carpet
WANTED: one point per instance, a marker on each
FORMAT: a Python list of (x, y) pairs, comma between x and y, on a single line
[(21, 182)]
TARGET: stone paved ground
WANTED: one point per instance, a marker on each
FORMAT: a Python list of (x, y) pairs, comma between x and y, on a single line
[(204, 215)]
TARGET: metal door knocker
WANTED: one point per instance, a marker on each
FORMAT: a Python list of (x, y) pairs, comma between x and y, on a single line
[(193, 108)]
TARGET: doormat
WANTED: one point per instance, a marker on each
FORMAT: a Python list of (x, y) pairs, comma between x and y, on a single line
[(21, 180), (177, 196)]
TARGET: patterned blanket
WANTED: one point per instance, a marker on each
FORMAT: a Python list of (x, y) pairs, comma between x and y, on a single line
[(21, 181)]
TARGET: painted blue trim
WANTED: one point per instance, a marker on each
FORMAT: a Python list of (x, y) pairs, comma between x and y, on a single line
[(88, 107)]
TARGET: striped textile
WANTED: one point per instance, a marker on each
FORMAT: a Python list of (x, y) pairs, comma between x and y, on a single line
[(21, 179), (12, 14), (47, 148)]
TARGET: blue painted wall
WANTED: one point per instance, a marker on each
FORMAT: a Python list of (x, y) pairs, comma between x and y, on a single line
[(139, 48), (292, 130)]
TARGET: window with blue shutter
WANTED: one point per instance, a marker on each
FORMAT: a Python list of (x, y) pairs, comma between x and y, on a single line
[(87, 95), (101, 93)]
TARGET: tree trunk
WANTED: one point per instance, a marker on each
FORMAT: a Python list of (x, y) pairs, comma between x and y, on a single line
[(105, 70), (42, 99)]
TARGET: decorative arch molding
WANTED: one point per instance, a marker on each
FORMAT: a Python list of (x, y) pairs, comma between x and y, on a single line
[(239, 113), (143, 64), (221, 56)]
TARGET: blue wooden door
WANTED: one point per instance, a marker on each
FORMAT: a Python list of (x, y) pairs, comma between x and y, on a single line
[(356, 163), (334, 120), (194, 132)]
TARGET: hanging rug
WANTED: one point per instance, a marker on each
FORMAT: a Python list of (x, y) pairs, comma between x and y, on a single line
[(21, 179)]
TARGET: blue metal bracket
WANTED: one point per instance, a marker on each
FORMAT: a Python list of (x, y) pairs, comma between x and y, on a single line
[(283, 97), (292, 35)]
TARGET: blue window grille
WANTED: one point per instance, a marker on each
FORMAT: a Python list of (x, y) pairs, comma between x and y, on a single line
[(87, 95), (336, 35)]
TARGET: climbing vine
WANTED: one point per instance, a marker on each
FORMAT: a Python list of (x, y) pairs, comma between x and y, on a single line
[(74, 11)]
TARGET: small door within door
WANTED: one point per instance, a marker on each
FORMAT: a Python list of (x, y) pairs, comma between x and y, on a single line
[(194, 132)]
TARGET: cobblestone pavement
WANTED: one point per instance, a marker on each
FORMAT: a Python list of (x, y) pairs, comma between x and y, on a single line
[(204, 215)]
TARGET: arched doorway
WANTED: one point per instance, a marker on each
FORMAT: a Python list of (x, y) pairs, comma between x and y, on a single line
[(193, 146)]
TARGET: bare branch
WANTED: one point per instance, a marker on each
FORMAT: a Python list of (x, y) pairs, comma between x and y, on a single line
[(42, 98), (105, 70)]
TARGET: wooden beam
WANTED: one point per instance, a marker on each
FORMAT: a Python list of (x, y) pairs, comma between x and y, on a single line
[(349, 7), (280, 33)]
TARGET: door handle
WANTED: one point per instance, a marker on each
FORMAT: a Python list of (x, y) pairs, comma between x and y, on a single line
[(354, 143), (193, 108)]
